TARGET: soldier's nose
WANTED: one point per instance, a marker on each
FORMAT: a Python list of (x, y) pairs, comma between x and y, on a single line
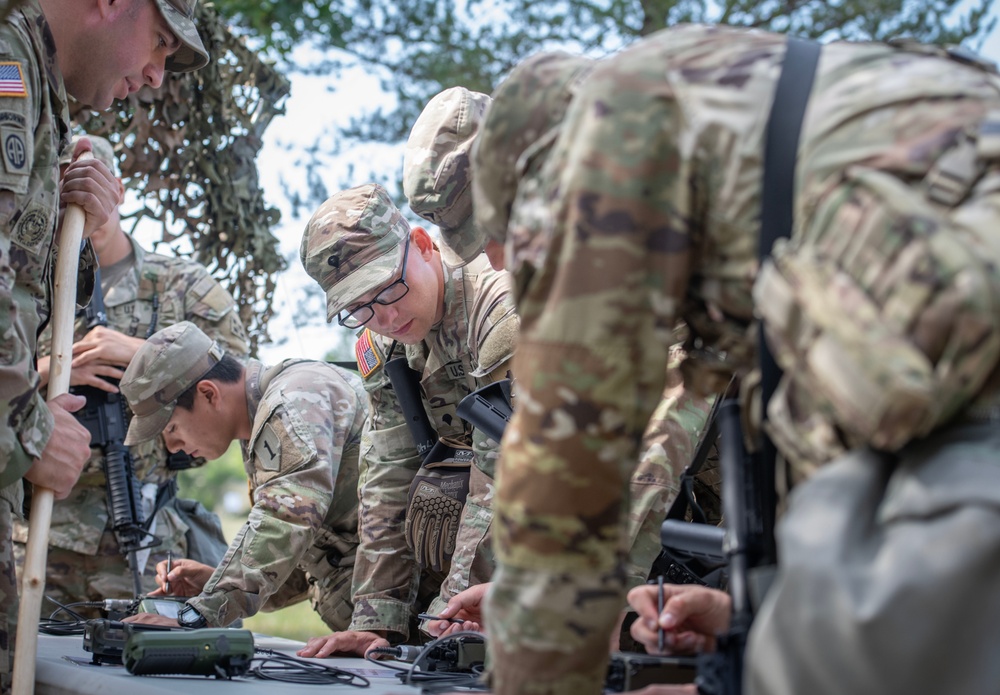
[(173, 446), (384, 316)]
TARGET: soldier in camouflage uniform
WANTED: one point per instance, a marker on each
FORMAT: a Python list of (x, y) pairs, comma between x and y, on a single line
[(142, 292), (436, 181), (146, 37), (455, 326), (880, 309), (299, 424)]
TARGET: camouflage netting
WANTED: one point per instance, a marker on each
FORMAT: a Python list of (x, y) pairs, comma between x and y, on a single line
[(188, 152)]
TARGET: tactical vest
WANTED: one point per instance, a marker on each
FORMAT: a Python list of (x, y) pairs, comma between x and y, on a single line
[(882, 308)]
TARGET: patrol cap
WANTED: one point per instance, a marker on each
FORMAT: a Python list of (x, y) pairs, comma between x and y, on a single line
[(353, 244), (100, 148), (167, 365), (437, 176), (180, 16), (526, 106)]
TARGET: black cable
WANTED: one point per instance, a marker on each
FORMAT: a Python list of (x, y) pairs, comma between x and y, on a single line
[(62, 627), (385, 664), (431, 681), (275, 666), (435, 681)]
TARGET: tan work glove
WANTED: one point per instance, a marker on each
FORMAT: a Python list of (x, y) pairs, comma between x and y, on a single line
[(437, 496)]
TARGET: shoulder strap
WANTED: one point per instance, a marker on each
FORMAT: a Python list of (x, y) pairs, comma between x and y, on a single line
[(781, 145)]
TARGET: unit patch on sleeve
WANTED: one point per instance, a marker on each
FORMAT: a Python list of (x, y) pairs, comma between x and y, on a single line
[(32, 229), (12, 79), (268, 449), (368, 357), (15, 150)]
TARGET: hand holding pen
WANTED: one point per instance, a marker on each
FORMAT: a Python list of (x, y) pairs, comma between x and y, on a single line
[(463, 612), (679, 618)]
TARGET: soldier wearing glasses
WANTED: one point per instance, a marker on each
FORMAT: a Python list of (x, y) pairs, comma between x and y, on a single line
[(456, 327)]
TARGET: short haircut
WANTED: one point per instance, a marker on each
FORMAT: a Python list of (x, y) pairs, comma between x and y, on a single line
[(228, 370)]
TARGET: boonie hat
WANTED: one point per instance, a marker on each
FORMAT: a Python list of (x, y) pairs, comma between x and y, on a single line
[(167, 365), (437, 173), (353, 244)]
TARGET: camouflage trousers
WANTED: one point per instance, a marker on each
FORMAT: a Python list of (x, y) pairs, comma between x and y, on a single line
[(8, 595), (332, 600)]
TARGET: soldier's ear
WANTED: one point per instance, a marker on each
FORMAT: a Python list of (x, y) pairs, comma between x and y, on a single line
[(104, 7), (422, 242), (209, 390)]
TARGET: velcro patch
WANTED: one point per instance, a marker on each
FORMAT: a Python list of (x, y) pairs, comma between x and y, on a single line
[(368, 358), (268, 449), (13, 118), (32, 229), (15, 150), (456, 370), (12, 79)]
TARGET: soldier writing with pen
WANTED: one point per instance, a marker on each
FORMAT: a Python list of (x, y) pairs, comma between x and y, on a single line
[(299, 425)]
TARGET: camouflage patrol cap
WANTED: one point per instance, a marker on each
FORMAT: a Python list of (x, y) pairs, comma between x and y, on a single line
[(180, 16), (436, 170), (100, 148), (353, 244), (526, 106), (168, 364)]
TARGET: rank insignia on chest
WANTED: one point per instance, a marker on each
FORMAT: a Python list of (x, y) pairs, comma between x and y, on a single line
[(368, 358)]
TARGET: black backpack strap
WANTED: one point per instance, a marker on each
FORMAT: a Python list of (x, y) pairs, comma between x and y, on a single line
[(781, 145)]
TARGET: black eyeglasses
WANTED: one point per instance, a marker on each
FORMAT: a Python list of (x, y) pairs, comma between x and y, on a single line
[(358, 317)]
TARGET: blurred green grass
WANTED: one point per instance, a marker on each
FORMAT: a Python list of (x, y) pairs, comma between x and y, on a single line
[(209, 484)]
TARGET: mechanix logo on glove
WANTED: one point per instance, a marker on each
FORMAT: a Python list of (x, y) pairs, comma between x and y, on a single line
[(437, 496)]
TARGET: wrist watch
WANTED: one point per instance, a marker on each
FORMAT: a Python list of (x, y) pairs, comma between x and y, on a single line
[(188, 616)]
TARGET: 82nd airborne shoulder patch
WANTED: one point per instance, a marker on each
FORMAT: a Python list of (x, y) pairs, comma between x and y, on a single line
[(368, 357)]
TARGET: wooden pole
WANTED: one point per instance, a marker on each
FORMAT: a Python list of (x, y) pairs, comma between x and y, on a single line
[(36, 552)]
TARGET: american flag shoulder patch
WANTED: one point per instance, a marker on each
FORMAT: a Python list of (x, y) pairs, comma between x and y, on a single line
[(12, 79), (368, 358)]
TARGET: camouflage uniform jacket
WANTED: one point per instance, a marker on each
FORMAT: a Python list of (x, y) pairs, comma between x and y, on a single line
[(467, 349), (34, 126), (302, 464), (158, 291), (653, 217)]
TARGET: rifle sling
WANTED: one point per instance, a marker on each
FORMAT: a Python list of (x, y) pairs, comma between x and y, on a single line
[(781, 144)]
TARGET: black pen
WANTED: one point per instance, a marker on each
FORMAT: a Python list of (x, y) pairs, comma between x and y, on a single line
[(428, 616), (166, 584), (659, 613)]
